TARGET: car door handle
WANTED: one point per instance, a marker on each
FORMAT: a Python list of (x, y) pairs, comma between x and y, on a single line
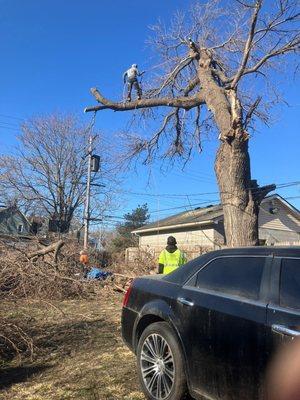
[(285, 330), (186, 302)]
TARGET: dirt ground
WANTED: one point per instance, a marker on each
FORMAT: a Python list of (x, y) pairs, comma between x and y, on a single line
[(78, 354)]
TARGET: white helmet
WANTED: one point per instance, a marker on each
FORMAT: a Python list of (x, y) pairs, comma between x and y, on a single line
[(134, 66)]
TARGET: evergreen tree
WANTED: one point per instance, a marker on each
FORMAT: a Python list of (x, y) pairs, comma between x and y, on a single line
[(134, 220)]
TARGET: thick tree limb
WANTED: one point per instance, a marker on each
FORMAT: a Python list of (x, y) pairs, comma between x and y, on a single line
[(178, 102), (260, 192), (54, 247)]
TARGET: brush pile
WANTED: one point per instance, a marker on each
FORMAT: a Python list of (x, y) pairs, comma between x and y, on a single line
[(50, 272)]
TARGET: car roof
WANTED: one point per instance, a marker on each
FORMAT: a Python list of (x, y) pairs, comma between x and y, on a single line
[(259, 250), (180, 275)]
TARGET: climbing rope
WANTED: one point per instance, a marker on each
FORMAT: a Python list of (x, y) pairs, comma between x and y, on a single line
[(124, 92), (183, 120), (91, 124)]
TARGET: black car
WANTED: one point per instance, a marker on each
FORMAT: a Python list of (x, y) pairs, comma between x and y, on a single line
[(211, 326)]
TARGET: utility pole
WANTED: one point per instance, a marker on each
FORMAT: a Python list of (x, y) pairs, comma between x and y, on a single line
[(87, 196)]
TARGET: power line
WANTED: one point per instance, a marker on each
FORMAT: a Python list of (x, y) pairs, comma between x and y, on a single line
[(291, 197), (9, 128), (10, 124), (184, 206), (115, 218), (169, 195), (12, 117)]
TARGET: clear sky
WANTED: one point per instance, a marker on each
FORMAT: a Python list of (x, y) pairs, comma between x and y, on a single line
[(53, 51)]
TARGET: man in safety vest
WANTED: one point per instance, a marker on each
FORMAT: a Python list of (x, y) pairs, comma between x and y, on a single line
[(171, 257)]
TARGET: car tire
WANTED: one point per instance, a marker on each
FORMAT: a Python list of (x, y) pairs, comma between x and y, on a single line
[(160, 363)]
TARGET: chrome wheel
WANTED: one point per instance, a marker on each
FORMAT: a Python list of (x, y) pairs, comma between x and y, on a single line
[(157, 366)]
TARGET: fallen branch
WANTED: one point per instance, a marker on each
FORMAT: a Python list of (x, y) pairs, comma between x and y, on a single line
[(123, 276), (55, 247), (119, 289)]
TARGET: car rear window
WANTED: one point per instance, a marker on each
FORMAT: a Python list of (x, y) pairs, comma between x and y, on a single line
[(290, 283), (240, 276)]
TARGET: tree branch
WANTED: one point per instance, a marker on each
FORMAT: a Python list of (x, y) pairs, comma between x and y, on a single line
[(178, 102), (290, 47), (172, 76), (251, 111), (248, 44), (192, 84)]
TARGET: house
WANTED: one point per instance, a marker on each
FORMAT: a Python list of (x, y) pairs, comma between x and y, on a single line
[(13, 222), (203, 228), (39, 224)]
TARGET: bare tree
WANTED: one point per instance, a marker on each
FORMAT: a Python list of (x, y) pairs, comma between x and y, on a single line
[(47, 174), (217, 65)]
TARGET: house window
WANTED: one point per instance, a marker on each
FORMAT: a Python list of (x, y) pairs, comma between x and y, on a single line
[(20, 228)]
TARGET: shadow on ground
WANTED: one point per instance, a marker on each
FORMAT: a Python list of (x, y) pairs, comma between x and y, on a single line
[(13, 375)]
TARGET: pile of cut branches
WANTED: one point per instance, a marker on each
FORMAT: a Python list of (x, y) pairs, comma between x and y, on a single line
[(38, 271)]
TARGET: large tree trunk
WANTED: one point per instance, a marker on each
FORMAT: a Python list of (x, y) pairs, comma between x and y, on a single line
[(232, 167)]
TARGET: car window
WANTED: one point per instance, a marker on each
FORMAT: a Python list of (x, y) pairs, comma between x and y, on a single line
[(290, 283), (239, 276)]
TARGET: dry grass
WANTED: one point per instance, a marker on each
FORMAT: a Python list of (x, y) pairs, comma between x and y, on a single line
[(78, 352), (59, 333)]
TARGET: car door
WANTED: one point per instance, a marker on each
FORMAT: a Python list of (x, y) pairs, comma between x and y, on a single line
[(223, 314), (284, 311)]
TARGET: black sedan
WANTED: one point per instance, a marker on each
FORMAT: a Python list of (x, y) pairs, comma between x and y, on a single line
[(210, 327)]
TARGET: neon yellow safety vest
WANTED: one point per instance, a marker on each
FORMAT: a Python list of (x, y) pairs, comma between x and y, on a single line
[(171, 261)]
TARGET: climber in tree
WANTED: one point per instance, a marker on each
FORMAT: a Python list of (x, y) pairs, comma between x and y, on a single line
[(131, 76)]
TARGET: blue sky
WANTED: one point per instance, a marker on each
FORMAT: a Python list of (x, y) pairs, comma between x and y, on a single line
[(52, 52)]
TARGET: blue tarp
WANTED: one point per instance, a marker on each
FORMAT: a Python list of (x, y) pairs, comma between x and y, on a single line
[(97, 273)]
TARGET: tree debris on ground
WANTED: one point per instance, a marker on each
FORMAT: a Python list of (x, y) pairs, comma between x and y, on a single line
[(47, 272)]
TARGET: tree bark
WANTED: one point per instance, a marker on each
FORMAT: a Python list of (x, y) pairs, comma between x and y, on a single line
[(232, 164), (232, 167)]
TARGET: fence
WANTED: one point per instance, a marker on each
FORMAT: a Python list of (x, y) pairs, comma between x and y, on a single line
[(288, 243)]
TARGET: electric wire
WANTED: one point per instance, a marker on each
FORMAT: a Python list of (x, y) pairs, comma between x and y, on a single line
[(169, 195), (185, 206)]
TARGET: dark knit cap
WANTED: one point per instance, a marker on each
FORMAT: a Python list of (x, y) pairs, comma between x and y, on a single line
[(171, 240)]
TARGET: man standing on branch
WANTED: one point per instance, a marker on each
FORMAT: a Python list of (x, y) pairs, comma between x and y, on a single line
[(171, 257), (131, 77)]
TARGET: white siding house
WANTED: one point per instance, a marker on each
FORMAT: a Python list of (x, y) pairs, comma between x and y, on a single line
[(278, 221), (202, 228)]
